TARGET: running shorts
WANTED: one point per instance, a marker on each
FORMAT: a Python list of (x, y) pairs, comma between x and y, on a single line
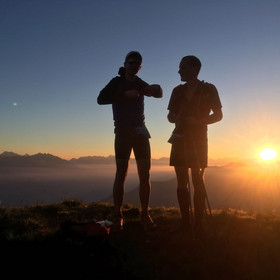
[(126, 142), (189, 153)]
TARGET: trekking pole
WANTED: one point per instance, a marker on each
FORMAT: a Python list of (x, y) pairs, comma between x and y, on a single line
[(190, 206), (206, 196)]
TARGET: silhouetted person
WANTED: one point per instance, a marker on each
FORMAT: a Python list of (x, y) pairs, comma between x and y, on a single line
[(126, 94), (192, 107)]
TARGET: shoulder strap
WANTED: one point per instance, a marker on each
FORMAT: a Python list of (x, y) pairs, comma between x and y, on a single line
[(201, 92)]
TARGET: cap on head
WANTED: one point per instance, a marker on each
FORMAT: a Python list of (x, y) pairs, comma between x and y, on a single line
[(133, 55)]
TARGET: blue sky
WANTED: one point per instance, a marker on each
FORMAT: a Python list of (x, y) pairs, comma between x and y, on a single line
[(56, 56)]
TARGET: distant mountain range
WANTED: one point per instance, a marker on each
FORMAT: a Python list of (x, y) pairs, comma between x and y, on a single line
[(45, 159), (13, 159)]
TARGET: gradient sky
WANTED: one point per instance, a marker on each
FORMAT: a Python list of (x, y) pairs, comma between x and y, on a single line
[(56, 56)]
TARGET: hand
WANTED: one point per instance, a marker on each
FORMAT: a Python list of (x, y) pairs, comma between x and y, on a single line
[(192, 121), (131, 94), (153, 90), (187, 120)]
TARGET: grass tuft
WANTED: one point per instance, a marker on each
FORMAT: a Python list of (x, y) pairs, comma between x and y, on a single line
[(236, 245)]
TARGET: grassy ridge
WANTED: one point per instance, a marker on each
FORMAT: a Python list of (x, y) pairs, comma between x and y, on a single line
[(238, 245)]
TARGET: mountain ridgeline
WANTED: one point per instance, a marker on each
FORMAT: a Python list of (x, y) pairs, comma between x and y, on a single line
[(39, 159)]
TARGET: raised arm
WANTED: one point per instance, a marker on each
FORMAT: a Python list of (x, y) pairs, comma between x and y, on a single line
[(112, 93), (153, 90)]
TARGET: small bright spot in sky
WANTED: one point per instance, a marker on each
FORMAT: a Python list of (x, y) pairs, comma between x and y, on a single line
[(268, 154), (15, 104)]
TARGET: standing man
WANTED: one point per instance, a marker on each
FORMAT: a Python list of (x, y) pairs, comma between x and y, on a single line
[(192, 107), (126, 94)]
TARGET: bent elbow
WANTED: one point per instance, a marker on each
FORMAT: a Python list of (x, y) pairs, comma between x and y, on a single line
[(171, 118), (100, 100)]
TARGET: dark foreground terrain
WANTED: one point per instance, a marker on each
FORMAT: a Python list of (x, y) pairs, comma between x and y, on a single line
[(237, 245)]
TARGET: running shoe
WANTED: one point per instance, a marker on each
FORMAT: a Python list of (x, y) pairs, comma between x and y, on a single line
[(117, 224), (147, 222)]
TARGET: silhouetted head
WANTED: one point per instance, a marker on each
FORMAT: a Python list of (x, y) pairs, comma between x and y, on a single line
[(189, 68), (132, 63), (134, 56)]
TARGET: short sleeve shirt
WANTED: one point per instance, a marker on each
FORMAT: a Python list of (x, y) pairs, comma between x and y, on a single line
[(205, 99)]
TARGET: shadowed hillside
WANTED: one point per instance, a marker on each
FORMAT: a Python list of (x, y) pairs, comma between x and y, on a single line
[(237, 245), (250, 188)]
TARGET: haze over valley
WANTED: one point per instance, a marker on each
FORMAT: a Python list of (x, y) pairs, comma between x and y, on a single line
[(44, 178)]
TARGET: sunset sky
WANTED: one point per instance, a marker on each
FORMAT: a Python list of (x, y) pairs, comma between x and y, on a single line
[(56, 56)]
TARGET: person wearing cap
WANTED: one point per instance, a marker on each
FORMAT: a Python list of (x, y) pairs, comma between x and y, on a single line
[(126, 93), (192, 107)]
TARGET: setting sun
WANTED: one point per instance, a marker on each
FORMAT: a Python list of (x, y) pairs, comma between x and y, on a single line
[(268, 154)]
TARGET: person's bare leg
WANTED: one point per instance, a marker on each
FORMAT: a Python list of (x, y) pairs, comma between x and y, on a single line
[(143, 167), (183, 193), (199, 197), (118, 188)]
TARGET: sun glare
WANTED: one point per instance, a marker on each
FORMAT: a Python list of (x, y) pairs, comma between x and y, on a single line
[(268, 154)]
